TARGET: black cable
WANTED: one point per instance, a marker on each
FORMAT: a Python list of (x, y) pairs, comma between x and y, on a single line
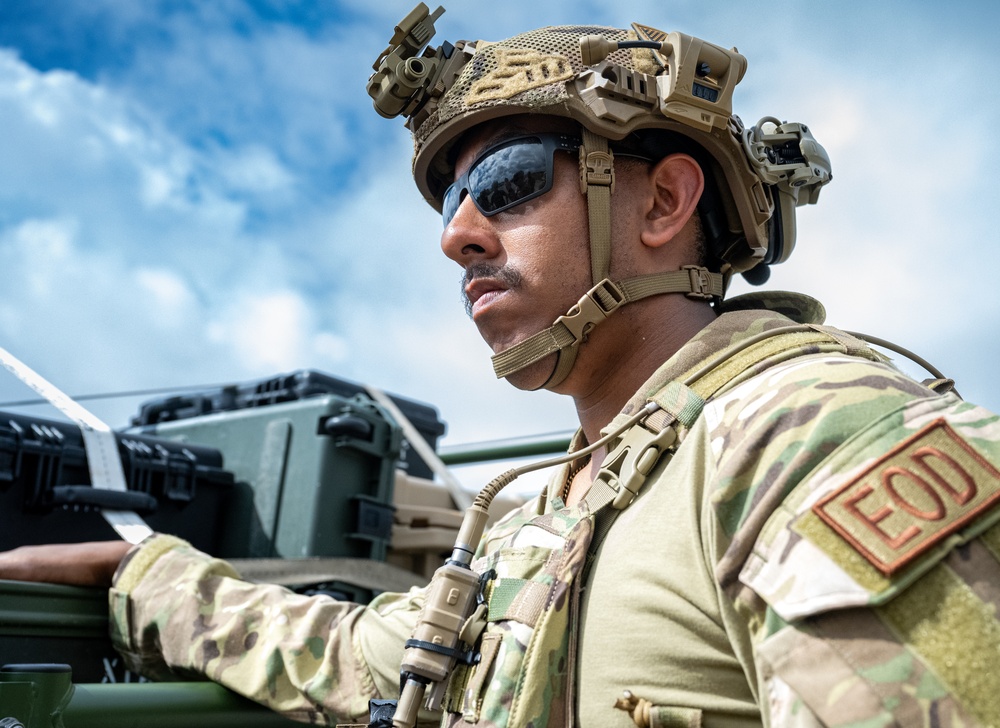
[(640, 44)]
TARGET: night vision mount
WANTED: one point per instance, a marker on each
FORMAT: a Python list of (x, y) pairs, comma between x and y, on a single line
[(405, 79)]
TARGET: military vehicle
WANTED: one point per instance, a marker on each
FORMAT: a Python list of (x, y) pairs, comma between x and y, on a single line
[(301, 479)]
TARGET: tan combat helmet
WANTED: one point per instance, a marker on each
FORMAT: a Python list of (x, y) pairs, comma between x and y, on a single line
[(617, 84)]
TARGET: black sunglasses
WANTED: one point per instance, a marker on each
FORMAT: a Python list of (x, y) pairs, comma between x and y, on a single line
[(509, 173)]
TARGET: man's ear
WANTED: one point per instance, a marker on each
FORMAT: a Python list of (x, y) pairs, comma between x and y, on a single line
[(676, 183)]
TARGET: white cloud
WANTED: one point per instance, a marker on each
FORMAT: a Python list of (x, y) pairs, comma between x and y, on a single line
[(255, 169), (172, 302), (272, 330), (118, 268)]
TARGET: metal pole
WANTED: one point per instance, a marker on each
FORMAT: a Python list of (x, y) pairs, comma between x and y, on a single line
[(474, 452), (166, 705)]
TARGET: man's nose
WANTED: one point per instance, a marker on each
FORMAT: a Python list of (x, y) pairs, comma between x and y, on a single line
[(469, 237)]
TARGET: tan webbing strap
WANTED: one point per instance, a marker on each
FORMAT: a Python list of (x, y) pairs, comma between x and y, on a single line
[(695, 281), (678, 403), (596, 305), (682, 404), (532, 349), (565, 359), (598, 498), (773, 351), (851, 344), (729, 370), (568, 331), (597, 181)]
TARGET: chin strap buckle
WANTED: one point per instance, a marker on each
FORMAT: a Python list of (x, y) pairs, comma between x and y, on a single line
[(701, 282), (593, 307)]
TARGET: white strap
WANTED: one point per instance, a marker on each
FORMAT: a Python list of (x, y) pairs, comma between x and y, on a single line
[(458, 494), (99, 443)]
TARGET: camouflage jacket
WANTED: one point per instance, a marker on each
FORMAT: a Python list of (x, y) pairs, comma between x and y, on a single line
[(820, 550)]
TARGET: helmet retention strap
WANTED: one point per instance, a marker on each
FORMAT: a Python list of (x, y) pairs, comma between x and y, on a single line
[(597, 181), (563, 338), (569, 331)]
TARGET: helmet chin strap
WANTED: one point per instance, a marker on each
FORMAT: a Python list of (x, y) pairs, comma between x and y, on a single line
[(563, 338)]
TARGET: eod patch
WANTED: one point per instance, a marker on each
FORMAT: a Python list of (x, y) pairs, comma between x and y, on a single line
[(924, 489)]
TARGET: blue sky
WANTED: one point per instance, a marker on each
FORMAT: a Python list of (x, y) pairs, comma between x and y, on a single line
[(200, 192)]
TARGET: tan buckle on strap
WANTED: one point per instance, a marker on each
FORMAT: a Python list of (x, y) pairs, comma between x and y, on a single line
[(633, 459), (596, 305), (701, 282), (596, 168)]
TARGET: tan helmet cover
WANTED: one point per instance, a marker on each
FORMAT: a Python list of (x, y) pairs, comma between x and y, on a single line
[(684, 85)]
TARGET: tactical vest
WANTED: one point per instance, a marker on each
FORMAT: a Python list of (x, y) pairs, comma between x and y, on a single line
[(536, 564)]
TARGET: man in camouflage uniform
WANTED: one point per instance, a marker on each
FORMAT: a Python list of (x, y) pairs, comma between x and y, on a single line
[(772, 525)]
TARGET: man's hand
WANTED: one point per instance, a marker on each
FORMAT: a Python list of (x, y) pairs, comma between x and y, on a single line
[(79, 564)]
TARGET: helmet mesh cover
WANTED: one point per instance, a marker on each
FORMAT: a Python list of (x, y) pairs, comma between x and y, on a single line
[(527, 72)]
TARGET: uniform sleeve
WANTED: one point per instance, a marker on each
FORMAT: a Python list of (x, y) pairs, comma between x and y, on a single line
[(178, 613), (860, 542)]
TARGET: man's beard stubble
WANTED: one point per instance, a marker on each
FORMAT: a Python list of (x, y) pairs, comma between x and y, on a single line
[(505, 274)]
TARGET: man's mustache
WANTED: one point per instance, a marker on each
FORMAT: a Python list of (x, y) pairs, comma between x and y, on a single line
[(505, 274)]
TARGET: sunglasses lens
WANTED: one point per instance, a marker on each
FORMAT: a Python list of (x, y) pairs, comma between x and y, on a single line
[(508, 176), (502, 177), (449, 206)]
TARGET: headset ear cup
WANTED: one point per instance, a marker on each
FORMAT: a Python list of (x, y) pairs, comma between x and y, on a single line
[(775, 230), (758, 275), (782, 228)]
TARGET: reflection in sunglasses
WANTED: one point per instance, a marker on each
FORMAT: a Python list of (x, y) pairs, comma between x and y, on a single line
[(508, 174)]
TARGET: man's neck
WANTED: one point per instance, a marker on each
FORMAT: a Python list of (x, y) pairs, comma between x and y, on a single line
[(621, 361), (625, 355)]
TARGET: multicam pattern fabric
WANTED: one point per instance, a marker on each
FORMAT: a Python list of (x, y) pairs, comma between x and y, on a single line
[(822, 426), (721, 591), (719, 597), (525, 670), (930, 627), (188, 616)]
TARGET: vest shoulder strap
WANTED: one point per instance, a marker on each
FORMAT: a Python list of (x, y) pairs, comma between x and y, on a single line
[(681, 401)]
